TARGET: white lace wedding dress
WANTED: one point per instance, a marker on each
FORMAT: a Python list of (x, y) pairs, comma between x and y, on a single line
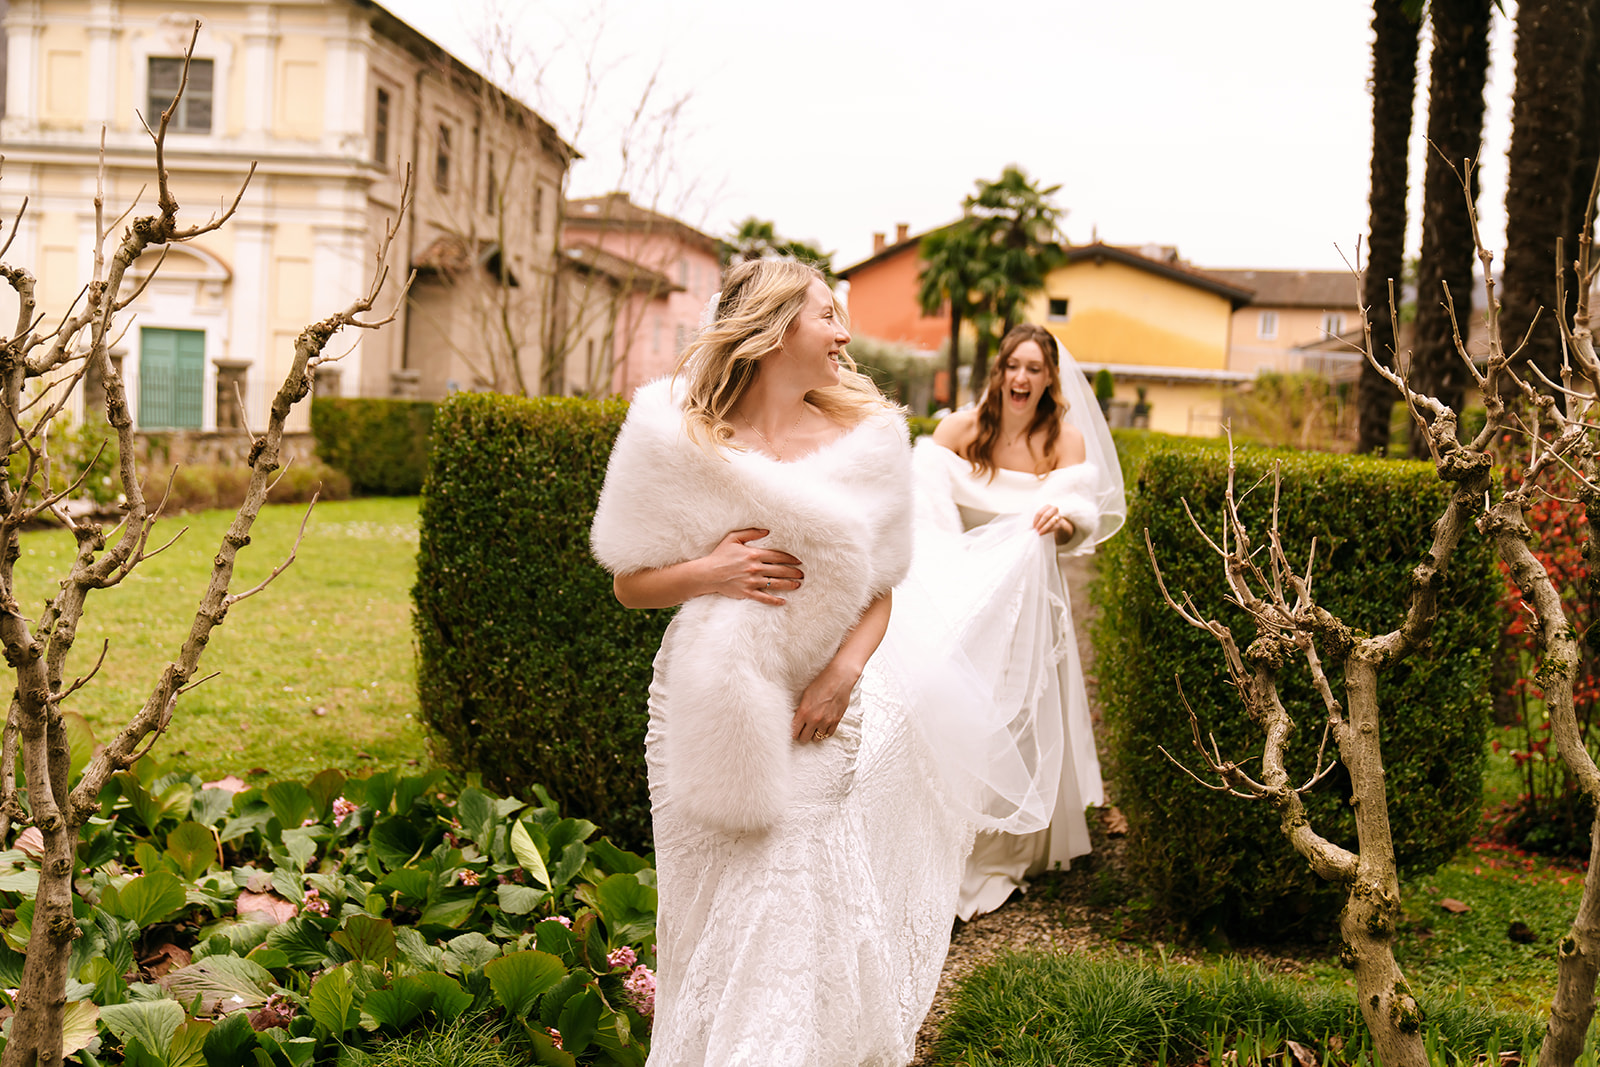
[(819, 942)]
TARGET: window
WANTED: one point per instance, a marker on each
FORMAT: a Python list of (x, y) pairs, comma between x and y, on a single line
[(172, 370), (1332, 323), (1267, 327), (194, 110), (491, 189), (538, 208), (441, 160), (380, 130), (1058, 309)]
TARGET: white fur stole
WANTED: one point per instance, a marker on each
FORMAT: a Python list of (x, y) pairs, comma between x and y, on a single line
[(736, 668)]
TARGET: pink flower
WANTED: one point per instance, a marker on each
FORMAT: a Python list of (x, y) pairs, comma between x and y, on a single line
[(563, 920), (555, 1035), (342, 807), (314, 903), (640, 986), (466, 877), (623, 957)]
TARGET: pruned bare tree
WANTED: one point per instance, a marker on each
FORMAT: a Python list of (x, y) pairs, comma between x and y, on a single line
[(1554, 425), (43, 360), (1291, 626)]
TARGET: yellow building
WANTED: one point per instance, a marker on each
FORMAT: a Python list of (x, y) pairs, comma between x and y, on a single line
[(1291, 315), (331, 98), (1160, 327)]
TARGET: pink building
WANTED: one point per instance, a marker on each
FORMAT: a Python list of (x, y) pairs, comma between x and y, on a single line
[(653, 328)]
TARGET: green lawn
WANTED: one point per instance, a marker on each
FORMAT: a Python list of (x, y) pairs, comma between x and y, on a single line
[(317, 669)]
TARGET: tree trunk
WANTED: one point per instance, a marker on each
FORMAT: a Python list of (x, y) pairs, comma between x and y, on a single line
[(955, 354), (980, 359), (1586, 158), (1459, 65), (1552, 41), (1367, 922), (1577, 965), (1394, 82)]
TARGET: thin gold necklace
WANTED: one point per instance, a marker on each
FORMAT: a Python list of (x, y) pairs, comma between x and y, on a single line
[(777, 452)]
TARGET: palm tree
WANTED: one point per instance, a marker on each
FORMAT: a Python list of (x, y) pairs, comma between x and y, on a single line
[(1459, 66), (758, 239), (1017, 226), (753, 239), (949, 255), (1547, 112), (1395, 25)]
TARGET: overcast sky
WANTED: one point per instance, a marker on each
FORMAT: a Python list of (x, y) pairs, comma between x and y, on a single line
[(1238, 131)]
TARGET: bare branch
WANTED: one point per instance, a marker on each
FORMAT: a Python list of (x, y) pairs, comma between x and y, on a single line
[(79, 683), (234, 598)]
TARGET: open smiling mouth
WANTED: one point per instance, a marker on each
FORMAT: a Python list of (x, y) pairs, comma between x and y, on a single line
[(1020, 396)]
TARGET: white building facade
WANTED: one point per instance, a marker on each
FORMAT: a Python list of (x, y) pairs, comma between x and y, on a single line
[(329, 98)]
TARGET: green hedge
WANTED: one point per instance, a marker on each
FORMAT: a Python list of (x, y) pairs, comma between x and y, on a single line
[(528, 670), (382, 445), (1219, 861)]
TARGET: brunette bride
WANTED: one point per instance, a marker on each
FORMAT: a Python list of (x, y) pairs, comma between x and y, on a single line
[(1003, 490), (807, 864)]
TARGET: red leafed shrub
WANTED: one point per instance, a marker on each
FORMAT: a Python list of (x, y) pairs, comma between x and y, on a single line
[(1552, 815)]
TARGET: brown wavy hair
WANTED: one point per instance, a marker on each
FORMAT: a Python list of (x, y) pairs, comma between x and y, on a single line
[(1047, 417), (759, 301)]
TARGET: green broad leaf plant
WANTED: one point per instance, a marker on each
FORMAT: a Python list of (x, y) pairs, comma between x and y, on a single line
[(296, 923)]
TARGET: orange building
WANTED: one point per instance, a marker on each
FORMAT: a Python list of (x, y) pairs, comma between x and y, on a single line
[(883, 294)]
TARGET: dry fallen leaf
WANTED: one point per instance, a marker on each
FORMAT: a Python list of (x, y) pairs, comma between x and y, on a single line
[(267, 905), (1454, 906), (31, 842), (1116, 823), (1303, 1057), (165, 957), (231, 784)]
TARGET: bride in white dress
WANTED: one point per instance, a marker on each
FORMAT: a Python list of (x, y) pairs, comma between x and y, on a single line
[(807, 864), (1003, 489)]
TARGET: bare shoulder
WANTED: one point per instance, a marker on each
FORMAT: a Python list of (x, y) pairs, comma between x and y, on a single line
[(1069, 446), (957, 430)]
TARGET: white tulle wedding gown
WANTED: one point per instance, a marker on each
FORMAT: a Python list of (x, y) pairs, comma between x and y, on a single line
[(964, 566)]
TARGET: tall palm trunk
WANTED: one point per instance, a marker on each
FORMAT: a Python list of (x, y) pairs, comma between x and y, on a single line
[(980, 357), (1394, 86), (955, 352), (1547, 108), (1458, 67), (1587, 154)]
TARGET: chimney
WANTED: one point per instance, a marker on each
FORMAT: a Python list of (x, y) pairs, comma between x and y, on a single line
[(902, 231), (879, 243)]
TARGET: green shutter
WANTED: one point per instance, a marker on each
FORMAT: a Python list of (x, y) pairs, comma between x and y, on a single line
[(172, 367)]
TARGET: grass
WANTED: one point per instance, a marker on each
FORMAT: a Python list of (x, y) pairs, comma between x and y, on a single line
[(469, 1041), (1063, 1010), (317, 670)]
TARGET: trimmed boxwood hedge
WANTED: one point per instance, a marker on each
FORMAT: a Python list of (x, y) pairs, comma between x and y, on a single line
[(1221, 862), (382, 445), (528, 669)]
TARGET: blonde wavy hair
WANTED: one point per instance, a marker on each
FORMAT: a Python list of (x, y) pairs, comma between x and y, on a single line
[(760, 300)]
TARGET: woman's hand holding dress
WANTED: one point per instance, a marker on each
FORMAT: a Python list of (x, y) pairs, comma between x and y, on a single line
[(1050, 521)]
